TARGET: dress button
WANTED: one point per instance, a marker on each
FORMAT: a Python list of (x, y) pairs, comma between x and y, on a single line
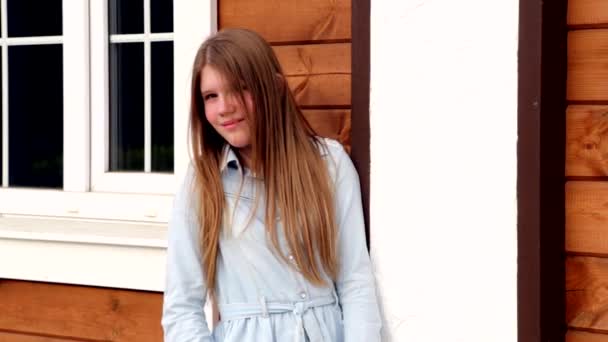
[(290, 257), (303, 295)]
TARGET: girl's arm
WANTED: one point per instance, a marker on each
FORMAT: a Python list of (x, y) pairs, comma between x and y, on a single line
[(355, 284), (185, 291)]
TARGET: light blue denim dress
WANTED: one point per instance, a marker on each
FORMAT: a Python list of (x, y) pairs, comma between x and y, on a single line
[(261, 297)]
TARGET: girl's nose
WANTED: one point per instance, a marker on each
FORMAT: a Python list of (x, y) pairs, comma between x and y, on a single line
[(227, 104)]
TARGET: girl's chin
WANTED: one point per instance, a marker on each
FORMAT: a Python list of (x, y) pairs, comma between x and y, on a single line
[(239, 144)]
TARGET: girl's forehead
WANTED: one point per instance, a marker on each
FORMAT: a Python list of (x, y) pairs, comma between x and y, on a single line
[(212, 79)]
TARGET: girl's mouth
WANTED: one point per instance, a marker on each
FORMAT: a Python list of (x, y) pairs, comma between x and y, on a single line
[(232, 123)]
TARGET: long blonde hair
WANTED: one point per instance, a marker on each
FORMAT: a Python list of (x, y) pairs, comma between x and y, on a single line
[(284, 152)]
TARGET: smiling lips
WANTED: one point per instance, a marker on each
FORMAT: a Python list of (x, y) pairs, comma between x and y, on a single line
[(232, 123)]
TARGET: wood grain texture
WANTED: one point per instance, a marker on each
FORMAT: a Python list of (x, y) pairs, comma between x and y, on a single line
[(305, 60), (587, 217), (321, 90), (80, 312), (582, 336), (17, 337), (587, 12), (587, 65), (289, 20), (587, 293), (334, 124), (587, 141), (319, 75)]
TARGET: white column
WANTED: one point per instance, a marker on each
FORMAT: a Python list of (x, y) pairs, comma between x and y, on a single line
[(443, 117)]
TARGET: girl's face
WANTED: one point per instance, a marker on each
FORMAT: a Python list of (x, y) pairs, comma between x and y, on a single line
[(224, 110)]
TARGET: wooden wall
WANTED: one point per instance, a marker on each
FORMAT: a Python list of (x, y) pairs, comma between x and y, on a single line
[(39, 312), (587, 172), (313, 42)]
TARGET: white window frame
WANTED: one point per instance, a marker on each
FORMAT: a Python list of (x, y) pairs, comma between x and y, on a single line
[(102, 178), (89, 191), (90, 253)]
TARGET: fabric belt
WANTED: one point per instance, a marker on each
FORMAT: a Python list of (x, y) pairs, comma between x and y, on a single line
[(306, 324)]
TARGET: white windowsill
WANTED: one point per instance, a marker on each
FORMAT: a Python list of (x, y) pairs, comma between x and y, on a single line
[(83, 252), (84, 231)]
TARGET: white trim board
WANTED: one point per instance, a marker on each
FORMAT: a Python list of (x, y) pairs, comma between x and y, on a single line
[(118, 255)]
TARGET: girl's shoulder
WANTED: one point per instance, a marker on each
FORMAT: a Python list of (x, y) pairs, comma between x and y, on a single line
[(330, 148), (334, 154)]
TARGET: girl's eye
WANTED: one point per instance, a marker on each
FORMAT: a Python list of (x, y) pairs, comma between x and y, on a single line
[(209, 96)]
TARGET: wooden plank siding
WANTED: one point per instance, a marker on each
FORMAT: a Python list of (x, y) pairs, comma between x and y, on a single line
[(588, 65), (289, 21), (78, 312), (587, 218), (587, 293), (6, 336), (587, 13), (582, 336), (586, 170), (319, 75), (587, 141), (334, 124)]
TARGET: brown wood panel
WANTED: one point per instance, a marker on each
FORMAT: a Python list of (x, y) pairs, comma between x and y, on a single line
[(319, 75), (587, 141), (583, 336), (587, 293), (588, 65), (587, 12), (333, 124), (289, 20), (321, 90), (587, 217), (80, 312), (6, 336), (304, 60)]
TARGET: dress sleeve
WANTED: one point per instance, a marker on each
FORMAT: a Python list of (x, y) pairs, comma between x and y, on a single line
[(355, 283), (183, 318)]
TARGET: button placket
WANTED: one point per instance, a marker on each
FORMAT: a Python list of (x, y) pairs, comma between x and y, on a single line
[(302, 294)]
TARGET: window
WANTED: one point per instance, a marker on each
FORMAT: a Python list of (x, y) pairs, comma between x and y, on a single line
[(32, 68), (95, 101), (132, 89)]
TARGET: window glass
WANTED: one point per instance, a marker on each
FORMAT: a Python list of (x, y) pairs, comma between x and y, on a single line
[(32, 18), (35, 80), (126, 107)]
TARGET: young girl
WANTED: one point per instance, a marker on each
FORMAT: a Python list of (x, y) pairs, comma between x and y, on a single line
[(269, 217)]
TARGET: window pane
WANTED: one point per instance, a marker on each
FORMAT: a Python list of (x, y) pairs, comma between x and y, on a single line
[(28, 18), (127, 107), (162, 106), (35, 120), (161, 12), (126, 16)]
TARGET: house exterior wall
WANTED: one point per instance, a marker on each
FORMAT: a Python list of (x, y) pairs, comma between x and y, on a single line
[(586, 170), (443, 121), (443, 171)]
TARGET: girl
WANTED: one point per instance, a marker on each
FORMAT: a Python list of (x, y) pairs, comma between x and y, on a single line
[(269, 218)]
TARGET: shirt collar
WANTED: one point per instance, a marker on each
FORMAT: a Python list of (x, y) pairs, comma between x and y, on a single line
[(229, 159)]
